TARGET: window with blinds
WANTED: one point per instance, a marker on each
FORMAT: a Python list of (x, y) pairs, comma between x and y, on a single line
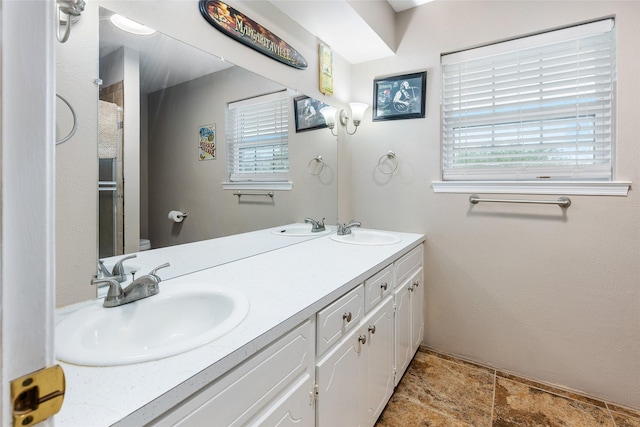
[(257, 139), (533, 108)]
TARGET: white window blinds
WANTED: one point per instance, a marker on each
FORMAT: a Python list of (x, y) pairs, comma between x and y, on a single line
[(538, 107), (257, 139)]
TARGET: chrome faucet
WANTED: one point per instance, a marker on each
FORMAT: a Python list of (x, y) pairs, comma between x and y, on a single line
[(142, 287), (344, 229), (316, 226), (118, 273)]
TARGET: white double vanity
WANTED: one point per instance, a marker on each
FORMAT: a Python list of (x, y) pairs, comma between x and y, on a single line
[(331, 326)]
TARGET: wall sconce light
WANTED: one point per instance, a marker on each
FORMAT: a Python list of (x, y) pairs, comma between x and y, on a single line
[(357, 113), (329, 114)]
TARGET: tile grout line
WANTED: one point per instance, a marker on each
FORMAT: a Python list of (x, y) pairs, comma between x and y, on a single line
[(613, 420), (493, 399)]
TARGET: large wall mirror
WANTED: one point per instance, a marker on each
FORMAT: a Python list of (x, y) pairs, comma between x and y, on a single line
[(160, 92)]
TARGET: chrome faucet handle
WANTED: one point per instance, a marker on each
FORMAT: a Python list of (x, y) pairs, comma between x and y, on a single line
[(102, 270), (118, 269), (154, 272), (344, 229), (316, 226), (115, 295)]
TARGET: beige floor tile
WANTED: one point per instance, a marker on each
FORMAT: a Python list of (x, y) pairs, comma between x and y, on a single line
[(517, 404), (458, 391)]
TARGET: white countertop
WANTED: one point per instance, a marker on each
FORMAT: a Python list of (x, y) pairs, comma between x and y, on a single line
[(191, 257), (284, 286)]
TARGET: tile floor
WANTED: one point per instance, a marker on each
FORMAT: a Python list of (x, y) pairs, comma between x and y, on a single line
[(442, 391)]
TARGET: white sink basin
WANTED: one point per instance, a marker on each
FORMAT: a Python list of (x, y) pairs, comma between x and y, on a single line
[(298, 230), (178, 319), (360, 236)]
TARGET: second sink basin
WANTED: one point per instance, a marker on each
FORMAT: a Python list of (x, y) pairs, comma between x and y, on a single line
[(180, 318), (362, 236)]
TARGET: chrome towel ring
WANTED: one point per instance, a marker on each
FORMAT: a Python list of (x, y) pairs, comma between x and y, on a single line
[(75, 121), (391, 156), (316, 164)]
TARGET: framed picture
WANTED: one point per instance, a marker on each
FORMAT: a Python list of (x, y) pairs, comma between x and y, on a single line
[(399, 97), (207, 142), (308, 116)]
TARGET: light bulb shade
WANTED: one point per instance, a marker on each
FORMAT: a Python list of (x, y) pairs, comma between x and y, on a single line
[(357, 110), (329, 114), (133, 27)]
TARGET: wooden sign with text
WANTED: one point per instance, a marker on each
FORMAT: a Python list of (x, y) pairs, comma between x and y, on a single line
[(245, 30)]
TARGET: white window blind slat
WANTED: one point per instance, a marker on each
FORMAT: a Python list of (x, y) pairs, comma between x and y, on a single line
[(540, 106), (257, 139)]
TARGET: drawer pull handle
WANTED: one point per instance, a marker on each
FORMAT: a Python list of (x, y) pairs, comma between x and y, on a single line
[(347, 317), (384, 286), (372, 329), (362, 339), (416, 283)]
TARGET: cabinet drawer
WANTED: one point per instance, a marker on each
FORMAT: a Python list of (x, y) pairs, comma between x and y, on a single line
[(339, 317), (376, 288), (408, 264)]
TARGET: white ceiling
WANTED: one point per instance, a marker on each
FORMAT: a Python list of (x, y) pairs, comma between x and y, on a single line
[(340, 26), (400, 5), (162, 58)]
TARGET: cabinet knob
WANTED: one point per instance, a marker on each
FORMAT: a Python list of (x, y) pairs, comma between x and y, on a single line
[(347, 317), (362, 339), (384, 286), (372, 329), (416, 283), (410, 288)]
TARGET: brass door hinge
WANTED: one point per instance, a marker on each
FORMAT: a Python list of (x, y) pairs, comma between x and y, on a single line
[(37, 396)]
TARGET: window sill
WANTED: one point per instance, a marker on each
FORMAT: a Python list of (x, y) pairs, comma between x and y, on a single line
[(592, 188), (259, 186)]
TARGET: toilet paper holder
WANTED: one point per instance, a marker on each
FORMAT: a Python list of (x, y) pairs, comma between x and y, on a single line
[(177, 216)]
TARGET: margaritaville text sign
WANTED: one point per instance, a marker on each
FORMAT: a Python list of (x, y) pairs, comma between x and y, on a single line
[(245, 30)]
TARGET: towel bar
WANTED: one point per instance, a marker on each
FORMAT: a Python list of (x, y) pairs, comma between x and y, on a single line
[(563, 202)]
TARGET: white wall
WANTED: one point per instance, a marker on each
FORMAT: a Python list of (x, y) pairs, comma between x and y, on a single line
[(76, 162), (524, 288)]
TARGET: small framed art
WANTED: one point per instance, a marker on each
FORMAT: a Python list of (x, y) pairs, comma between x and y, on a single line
[(308, 116), (207, 142), (399, 97)]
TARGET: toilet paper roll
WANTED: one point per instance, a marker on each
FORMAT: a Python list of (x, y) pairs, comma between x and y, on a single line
[(176, 216)]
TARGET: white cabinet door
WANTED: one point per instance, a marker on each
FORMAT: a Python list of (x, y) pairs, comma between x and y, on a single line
[(259, 388), (293, 409), (417, 317), (378, 354), (339, 376), (403, 339)]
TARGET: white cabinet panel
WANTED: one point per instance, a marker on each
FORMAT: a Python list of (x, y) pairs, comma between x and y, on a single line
[(403, 354), (355, 378), (339, 376), (247, 391), (339, 317), (376, 288), (379, 356), (293, 409), (406, 265), (417, 316), (409, 325)]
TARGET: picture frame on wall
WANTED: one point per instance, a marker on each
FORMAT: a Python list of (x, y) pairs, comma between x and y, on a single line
[(207, 142), (400, 97), (307, 114)]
